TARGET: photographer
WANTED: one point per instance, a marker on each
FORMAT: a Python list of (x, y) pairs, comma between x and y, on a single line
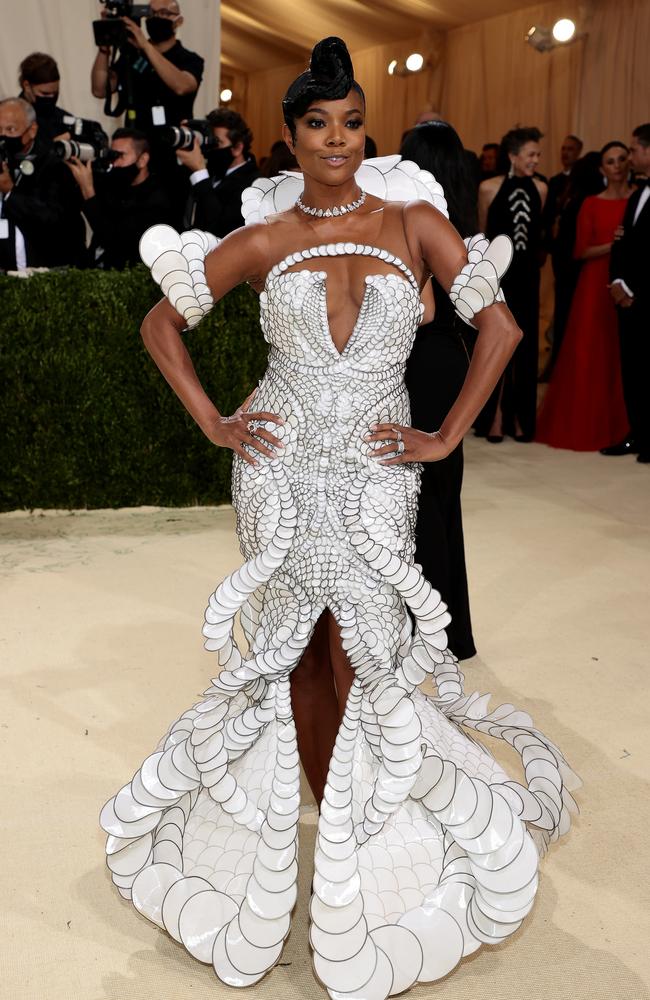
[(163, 75), (219, 177), (40, 220), (122, 203), (39, 81)]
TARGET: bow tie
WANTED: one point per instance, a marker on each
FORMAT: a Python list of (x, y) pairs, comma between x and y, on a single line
[(641, 182)]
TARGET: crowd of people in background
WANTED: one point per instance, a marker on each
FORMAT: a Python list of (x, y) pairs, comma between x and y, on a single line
[(71, 197)]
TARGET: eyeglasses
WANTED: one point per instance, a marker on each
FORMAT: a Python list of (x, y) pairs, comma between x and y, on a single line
[(164, 12)]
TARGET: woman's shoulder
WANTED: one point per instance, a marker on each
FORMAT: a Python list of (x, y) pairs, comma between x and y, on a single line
[(491, 184)]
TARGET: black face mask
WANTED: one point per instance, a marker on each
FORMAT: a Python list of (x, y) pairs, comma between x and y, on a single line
[(219, 160), (45, 106), (12, 145), (120, 179), (160, 29)]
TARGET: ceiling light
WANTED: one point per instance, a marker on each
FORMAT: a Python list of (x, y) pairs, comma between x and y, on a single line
[(415, 62), (564, 30), (225, 95), (392, 66)]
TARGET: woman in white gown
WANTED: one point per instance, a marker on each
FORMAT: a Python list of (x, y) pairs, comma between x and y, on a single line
[(425, 847)]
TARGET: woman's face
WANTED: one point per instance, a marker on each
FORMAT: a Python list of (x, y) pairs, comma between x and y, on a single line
[(525, 162), (330, 139), (615, 164)]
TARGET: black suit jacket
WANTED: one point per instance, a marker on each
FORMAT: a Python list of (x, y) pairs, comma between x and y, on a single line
[(630, 259), (46, 206), (556, 199), (118, 222), (218, 210)]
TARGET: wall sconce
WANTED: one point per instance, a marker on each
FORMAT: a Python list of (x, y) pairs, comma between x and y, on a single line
[(414, 63), (544, 39)]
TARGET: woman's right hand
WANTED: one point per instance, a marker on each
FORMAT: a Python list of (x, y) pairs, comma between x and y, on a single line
[(235, 432)]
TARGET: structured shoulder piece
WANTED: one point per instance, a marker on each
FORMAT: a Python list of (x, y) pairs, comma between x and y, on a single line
[(388, 177), (478, 284), (177, 264)]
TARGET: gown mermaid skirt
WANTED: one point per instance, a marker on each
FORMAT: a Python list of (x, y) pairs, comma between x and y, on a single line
[(426, 848)]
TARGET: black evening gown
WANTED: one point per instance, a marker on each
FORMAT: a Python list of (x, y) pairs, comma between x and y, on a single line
[(434, 376), (517, 212)]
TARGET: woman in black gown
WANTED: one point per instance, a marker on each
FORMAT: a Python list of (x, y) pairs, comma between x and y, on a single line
[(513, 204), (434, 375)]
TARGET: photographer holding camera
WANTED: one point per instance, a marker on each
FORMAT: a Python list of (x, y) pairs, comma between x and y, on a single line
[(221, 169), (123, 202), (40, 220), (157, 77)]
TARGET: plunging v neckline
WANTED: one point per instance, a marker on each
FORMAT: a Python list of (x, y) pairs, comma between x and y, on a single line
[(339, 250)]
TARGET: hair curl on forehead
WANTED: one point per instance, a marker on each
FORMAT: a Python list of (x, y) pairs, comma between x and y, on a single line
[(330, 77)]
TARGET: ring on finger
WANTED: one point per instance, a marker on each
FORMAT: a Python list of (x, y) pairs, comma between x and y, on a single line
[(400, 447), (398, 434)]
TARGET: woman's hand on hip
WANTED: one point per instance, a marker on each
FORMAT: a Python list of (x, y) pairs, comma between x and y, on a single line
[(237, 433), (401, 444)]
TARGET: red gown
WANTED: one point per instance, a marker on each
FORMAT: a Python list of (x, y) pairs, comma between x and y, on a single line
[(584, 409)]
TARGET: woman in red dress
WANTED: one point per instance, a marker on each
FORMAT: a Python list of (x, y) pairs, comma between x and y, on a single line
[(584, 408)]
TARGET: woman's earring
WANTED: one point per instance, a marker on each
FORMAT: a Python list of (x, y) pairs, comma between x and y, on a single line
[(511, 172)]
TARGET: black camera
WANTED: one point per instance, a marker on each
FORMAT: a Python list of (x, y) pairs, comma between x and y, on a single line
[(89, 143), (110, 32), (183, 136), (102, 158)]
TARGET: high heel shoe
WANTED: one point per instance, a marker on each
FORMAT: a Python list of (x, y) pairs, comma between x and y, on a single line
[(494, 438)]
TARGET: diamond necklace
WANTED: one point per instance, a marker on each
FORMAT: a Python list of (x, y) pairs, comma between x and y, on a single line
[(326, 213)]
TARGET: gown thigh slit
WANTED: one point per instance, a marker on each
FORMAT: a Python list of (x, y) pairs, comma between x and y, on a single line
[(426, 848)]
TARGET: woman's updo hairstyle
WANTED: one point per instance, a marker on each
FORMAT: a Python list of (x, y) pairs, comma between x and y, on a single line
[(329, 78)]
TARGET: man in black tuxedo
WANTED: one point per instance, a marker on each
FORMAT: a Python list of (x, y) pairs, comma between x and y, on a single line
[(630, 288), (219, 178), (565, 269), (40, 207)]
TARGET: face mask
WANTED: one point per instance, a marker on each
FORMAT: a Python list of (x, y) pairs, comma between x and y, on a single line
[(45, 106), (160, 29), (219, 160), (13, 145), (120, 179)]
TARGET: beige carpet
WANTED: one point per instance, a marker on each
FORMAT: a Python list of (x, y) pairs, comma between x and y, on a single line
[(101, 648)]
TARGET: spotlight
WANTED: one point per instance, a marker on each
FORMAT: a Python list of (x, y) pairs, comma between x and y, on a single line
[(415, 62), (540, 38), (564, 30), (392, 66), (225, 95)]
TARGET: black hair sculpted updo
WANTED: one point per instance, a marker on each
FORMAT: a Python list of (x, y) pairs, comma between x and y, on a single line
[(330, 77)]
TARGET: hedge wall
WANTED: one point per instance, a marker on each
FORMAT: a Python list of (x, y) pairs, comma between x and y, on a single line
[(87, 420)]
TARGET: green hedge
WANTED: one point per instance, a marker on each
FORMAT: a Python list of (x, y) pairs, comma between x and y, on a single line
[(87, 420)]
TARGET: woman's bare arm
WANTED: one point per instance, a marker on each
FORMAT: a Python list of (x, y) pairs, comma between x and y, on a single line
[(434, 241), (486, 194), (444, 253), (241, 256)]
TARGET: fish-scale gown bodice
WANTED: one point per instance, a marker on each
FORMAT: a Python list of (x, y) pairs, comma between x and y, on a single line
[(328, 399)]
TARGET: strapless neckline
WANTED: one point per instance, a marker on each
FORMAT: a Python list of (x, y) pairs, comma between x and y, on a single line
[(405, 275)]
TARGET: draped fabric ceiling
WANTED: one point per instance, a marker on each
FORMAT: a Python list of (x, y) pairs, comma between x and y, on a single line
[(479, 72), (262, 34)]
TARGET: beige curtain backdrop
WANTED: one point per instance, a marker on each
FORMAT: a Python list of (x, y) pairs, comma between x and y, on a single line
[(485, 79), (598, 87), (62, 28)]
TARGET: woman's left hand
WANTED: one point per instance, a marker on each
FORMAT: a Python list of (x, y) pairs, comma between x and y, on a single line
[(406, 444)]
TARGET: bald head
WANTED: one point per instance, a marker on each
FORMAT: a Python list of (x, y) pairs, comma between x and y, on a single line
[(18, 121), (17, 107)]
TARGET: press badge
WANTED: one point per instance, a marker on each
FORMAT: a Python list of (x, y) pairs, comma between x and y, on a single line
[(158, 115)]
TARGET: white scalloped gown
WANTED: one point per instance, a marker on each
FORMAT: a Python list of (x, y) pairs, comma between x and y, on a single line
[(425, 848)]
